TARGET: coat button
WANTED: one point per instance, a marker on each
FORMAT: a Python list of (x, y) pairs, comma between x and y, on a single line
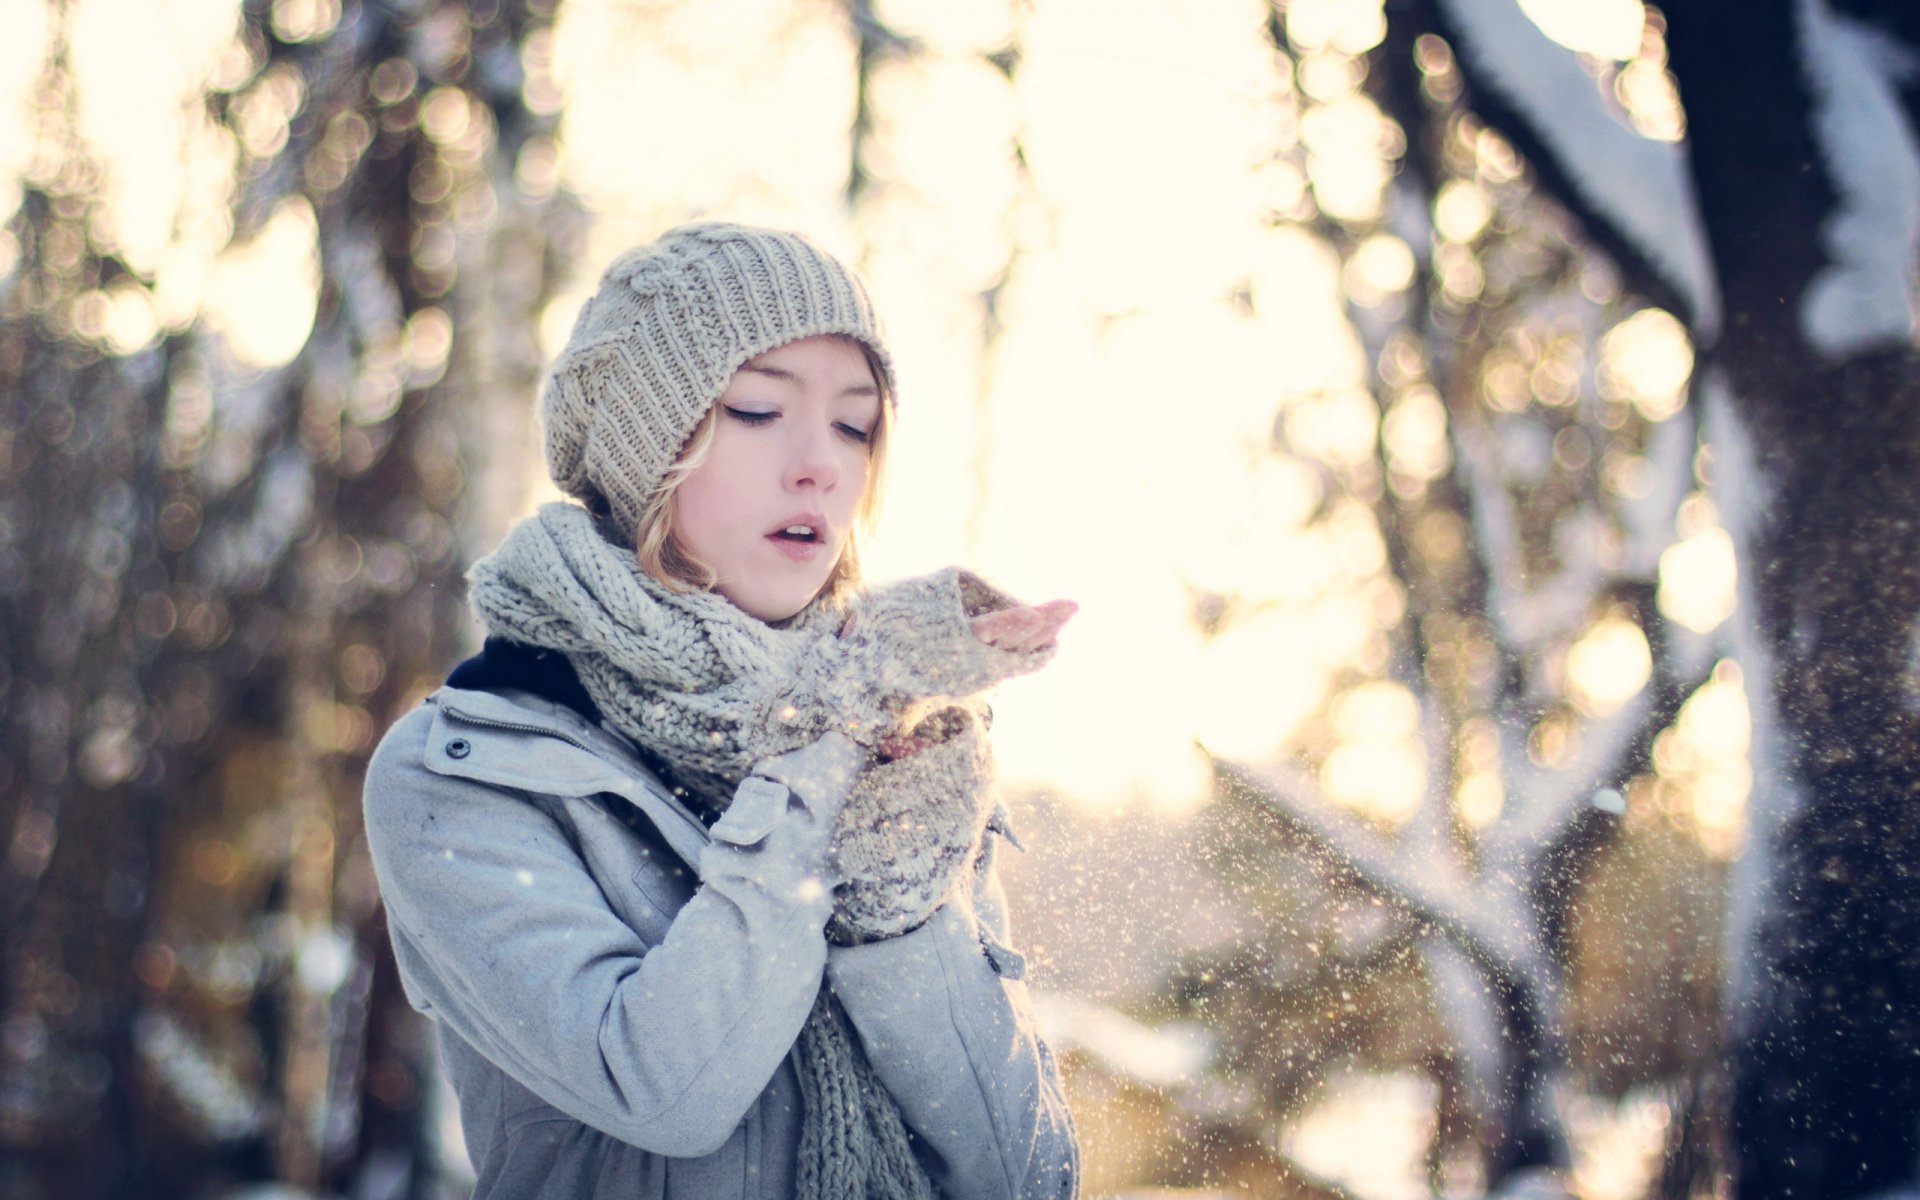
[(459, 748)]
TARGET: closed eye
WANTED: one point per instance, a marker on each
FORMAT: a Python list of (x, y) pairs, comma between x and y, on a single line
[(855, 433), (748, 416)]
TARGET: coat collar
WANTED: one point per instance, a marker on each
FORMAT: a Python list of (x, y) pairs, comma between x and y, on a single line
[(506, 664), (527, 742)]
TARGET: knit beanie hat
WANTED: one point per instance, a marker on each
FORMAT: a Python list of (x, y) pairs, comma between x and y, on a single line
[(658, 342)]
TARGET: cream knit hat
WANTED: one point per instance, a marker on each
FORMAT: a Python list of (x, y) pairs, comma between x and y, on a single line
[(658, 342)]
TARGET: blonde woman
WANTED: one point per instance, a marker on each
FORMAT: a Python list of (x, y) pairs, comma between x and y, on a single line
[(692, 866)]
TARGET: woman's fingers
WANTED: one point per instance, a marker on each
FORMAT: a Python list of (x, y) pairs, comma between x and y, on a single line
[(1024, 628), (1003, 627), (1058, 611), (1053, 614)]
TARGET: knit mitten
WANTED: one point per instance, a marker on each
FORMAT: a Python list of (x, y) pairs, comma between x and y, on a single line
[(908, 650), (911, 829)]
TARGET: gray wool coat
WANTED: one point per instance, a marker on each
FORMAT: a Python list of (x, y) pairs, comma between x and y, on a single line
[(617, 989)]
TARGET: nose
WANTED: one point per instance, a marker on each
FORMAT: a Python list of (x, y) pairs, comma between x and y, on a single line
[(810, 458)]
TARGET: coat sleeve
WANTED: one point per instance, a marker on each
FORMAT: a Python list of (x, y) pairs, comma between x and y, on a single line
[(504, 935), (947, 1023)]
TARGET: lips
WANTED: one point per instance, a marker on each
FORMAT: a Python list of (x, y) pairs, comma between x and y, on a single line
[(801, 537), (801, 529)]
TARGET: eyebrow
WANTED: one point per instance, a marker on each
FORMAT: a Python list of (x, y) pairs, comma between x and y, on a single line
[(858, 389)]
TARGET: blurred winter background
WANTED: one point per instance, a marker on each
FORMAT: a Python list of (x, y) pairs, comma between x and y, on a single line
[(1414, 807)]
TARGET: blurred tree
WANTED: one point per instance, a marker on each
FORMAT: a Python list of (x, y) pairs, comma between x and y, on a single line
[(1803, 158), (220, 578), (1540, 505), (1517, 487)]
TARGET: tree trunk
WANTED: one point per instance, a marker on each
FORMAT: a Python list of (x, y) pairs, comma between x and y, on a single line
[(1817, 445)]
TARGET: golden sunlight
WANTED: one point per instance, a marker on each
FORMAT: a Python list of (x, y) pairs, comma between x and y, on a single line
[(1380, 266), (1480, 795), (1480, 799), (1415, 434), (1647, 359), (1116, 445), (1462, 210), (1698, 578), (21, 52), (1703, 759), (1255, 685), (264, 290), (1349, 26), (1382, 779), (1602, 28), (1344, 140), (1379, 767), (1609, 664), (1147, 124), (767, 142), (137, 68), (1365, 1134)]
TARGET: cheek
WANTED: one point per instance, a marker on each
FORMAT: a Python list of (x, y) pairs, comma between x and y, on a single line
[(855, 473), (703, 510)]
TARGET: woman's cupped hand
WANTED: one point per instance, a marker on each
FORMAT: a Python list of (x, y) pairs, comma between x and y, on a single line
[(1021, 629), (1024, 627)]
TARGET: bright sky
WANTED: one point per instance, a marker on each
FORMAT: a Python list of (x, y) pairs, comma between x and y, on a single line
[(1113, 446)]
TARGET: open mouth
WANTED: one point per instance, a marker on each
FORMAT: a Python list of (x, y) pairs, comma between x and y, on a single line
[(797, 533)]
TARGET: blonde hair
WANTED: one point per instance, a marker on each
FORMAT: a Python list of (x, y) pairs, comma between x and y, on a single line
[(663, 557)]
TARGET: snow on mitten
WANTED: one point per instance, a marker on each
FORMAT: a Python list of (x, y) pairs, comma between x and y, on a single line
[(911, 829), (914, 640)]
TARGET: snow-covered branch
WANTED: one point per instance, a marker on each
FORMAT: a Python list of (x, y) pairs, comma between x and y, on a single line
[(1543, 802), (1431, 835), (1637, 186), (1490, 925), (1649, 519), (1524, 618), (1863, 297), (1495, 525), (1777, 796)]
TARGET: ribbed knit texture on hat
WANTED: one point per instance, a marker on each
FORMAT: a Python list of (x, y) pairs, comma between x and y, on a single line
[(658, 342)]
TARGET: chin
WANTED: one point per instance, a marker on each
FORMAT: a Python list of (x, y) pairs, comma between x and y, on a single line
[(771, 607)]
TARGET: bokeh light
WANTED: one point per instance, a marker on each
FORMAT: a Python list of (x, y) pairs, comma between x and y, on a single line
[(1609, 664)]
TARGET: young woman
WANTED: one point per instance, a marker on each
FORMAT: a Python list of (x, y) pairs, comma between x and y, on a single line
[(692, 866)]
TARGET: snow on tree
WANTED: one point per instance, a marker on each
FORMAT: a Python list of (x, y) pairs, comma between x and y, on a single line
[(1781, 233), (1802, 160)]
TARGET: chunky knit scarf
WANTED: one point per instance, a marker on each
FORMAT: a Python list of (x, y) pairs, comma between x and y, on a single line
[(711, 690)]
